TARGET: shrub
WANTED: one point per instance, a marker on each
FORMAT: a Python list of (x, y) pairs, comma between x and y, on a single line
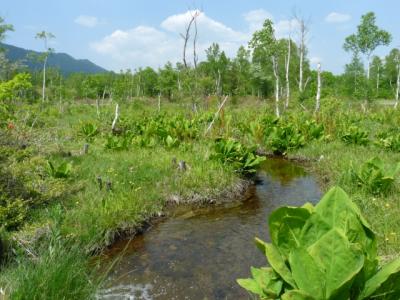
[(118, 143), (244, 160), (375, 176), (390, 141), (89, 131), (355, 135), (62, 170), (284, 138), (326, 252)]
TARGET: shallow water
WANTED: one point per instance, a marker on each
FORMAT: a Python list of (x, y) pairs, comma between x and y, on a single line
[(199, 253)]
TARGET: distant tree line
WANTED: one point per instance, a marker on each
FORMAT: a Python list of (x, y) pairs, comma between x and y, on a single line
[(266, 68)]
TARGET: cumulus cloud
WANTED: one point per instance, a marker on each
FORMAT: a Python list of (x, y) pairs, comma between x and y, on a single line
[(87, 21), (335, 17), (154, 46), (255, 18), (315, 60)]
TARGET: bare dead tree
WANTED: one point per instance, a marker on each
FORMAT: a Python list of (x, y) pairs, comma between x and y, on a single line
[(397, 84), (287, 74), (303, 32), (186, 36), (195, 56), (318, 97)]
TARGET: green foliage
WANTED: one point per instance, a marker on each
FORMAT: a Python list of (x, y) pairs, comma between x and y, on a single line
[(284, 137), (89, 131), (312, 130), (171, 142), (355, 135), (13, 212), (60, 272), (62, 170), (15, 88), (323, 252), (375, 176), (118, 143), (388, 140), (243, 159)]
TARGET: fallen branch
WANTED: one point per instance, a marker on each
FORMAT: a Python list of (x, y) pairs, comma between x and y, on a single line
[(114, 123), (215, 116)]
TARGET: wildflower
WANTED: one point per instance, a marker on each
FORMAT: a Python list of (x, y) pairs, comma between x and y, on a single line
[(10, 125)]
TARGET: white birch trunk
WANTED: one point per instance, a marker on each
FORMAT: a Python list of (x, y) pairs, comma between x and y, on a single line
[(275, 67), (377, 80), (397, 86), (302, 41), (318, 97), (44, 79), (114, 123), (287, 76)]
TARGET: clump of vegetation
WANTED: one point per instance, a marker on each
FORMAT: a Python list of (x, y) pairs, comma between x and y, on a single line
[(323, 252), (243, 159), (89, 131), (388, 140), (355, 135), (283, 138), (63, 170), (375, 176)]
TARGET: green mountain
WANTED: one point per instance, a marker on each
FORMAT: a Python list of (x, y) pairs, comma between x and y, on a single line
[(64, 62)]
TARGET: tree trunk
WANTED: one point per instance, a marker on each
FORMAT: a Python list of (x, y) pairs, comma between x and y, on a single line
[(368, 66), (318, 97), (44, 79), (159, 101), (302, 42), (287, 76), (397, 86), (114, 123), (377, 81), (275, 67)]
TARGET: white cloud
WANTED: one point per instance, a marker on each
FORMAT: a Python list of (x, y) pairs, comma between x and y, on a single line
[(87, 21), (154, 46), (256, 18), (284, 28), (212, 28), (335, 17), (139, 46), (315, 60)]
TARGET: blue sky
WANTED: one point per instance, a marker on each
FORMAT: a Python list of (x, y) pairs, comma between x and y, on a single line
[(123, 34)]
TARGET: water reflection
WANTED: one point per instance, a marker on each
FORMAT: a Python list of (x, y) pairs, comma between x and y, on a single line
[(199, 254)]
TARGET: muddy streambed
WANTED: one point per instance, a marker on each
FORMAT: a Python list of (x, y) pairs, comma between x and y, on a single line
[(199, 253)]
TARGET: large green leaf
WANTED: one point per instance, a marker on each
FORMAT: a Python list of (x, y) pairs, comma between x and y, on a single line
[(307, 274), (338, 211), (265, 283), (385, 276), (285, 225), (277, 262), (340, 260), (296, 295)]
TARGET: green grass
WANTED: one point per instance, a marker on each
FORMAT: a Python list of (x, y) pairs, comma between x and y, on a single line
[(144, 179)]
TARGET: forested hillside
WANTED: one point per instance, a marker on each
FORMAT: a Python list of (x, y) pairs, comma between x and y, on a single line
[(63, 62)]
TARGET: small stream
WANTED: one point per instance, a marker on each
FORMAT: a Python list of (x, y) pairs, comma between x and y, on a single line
[(199, 253)]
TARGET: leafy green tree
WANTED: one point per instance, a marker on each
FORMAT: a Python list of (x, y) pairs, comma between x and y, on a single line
[(167, 79), (355, 79), (4, 28), (367, 38), (15, 88), (376, 70), (266, 50)]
